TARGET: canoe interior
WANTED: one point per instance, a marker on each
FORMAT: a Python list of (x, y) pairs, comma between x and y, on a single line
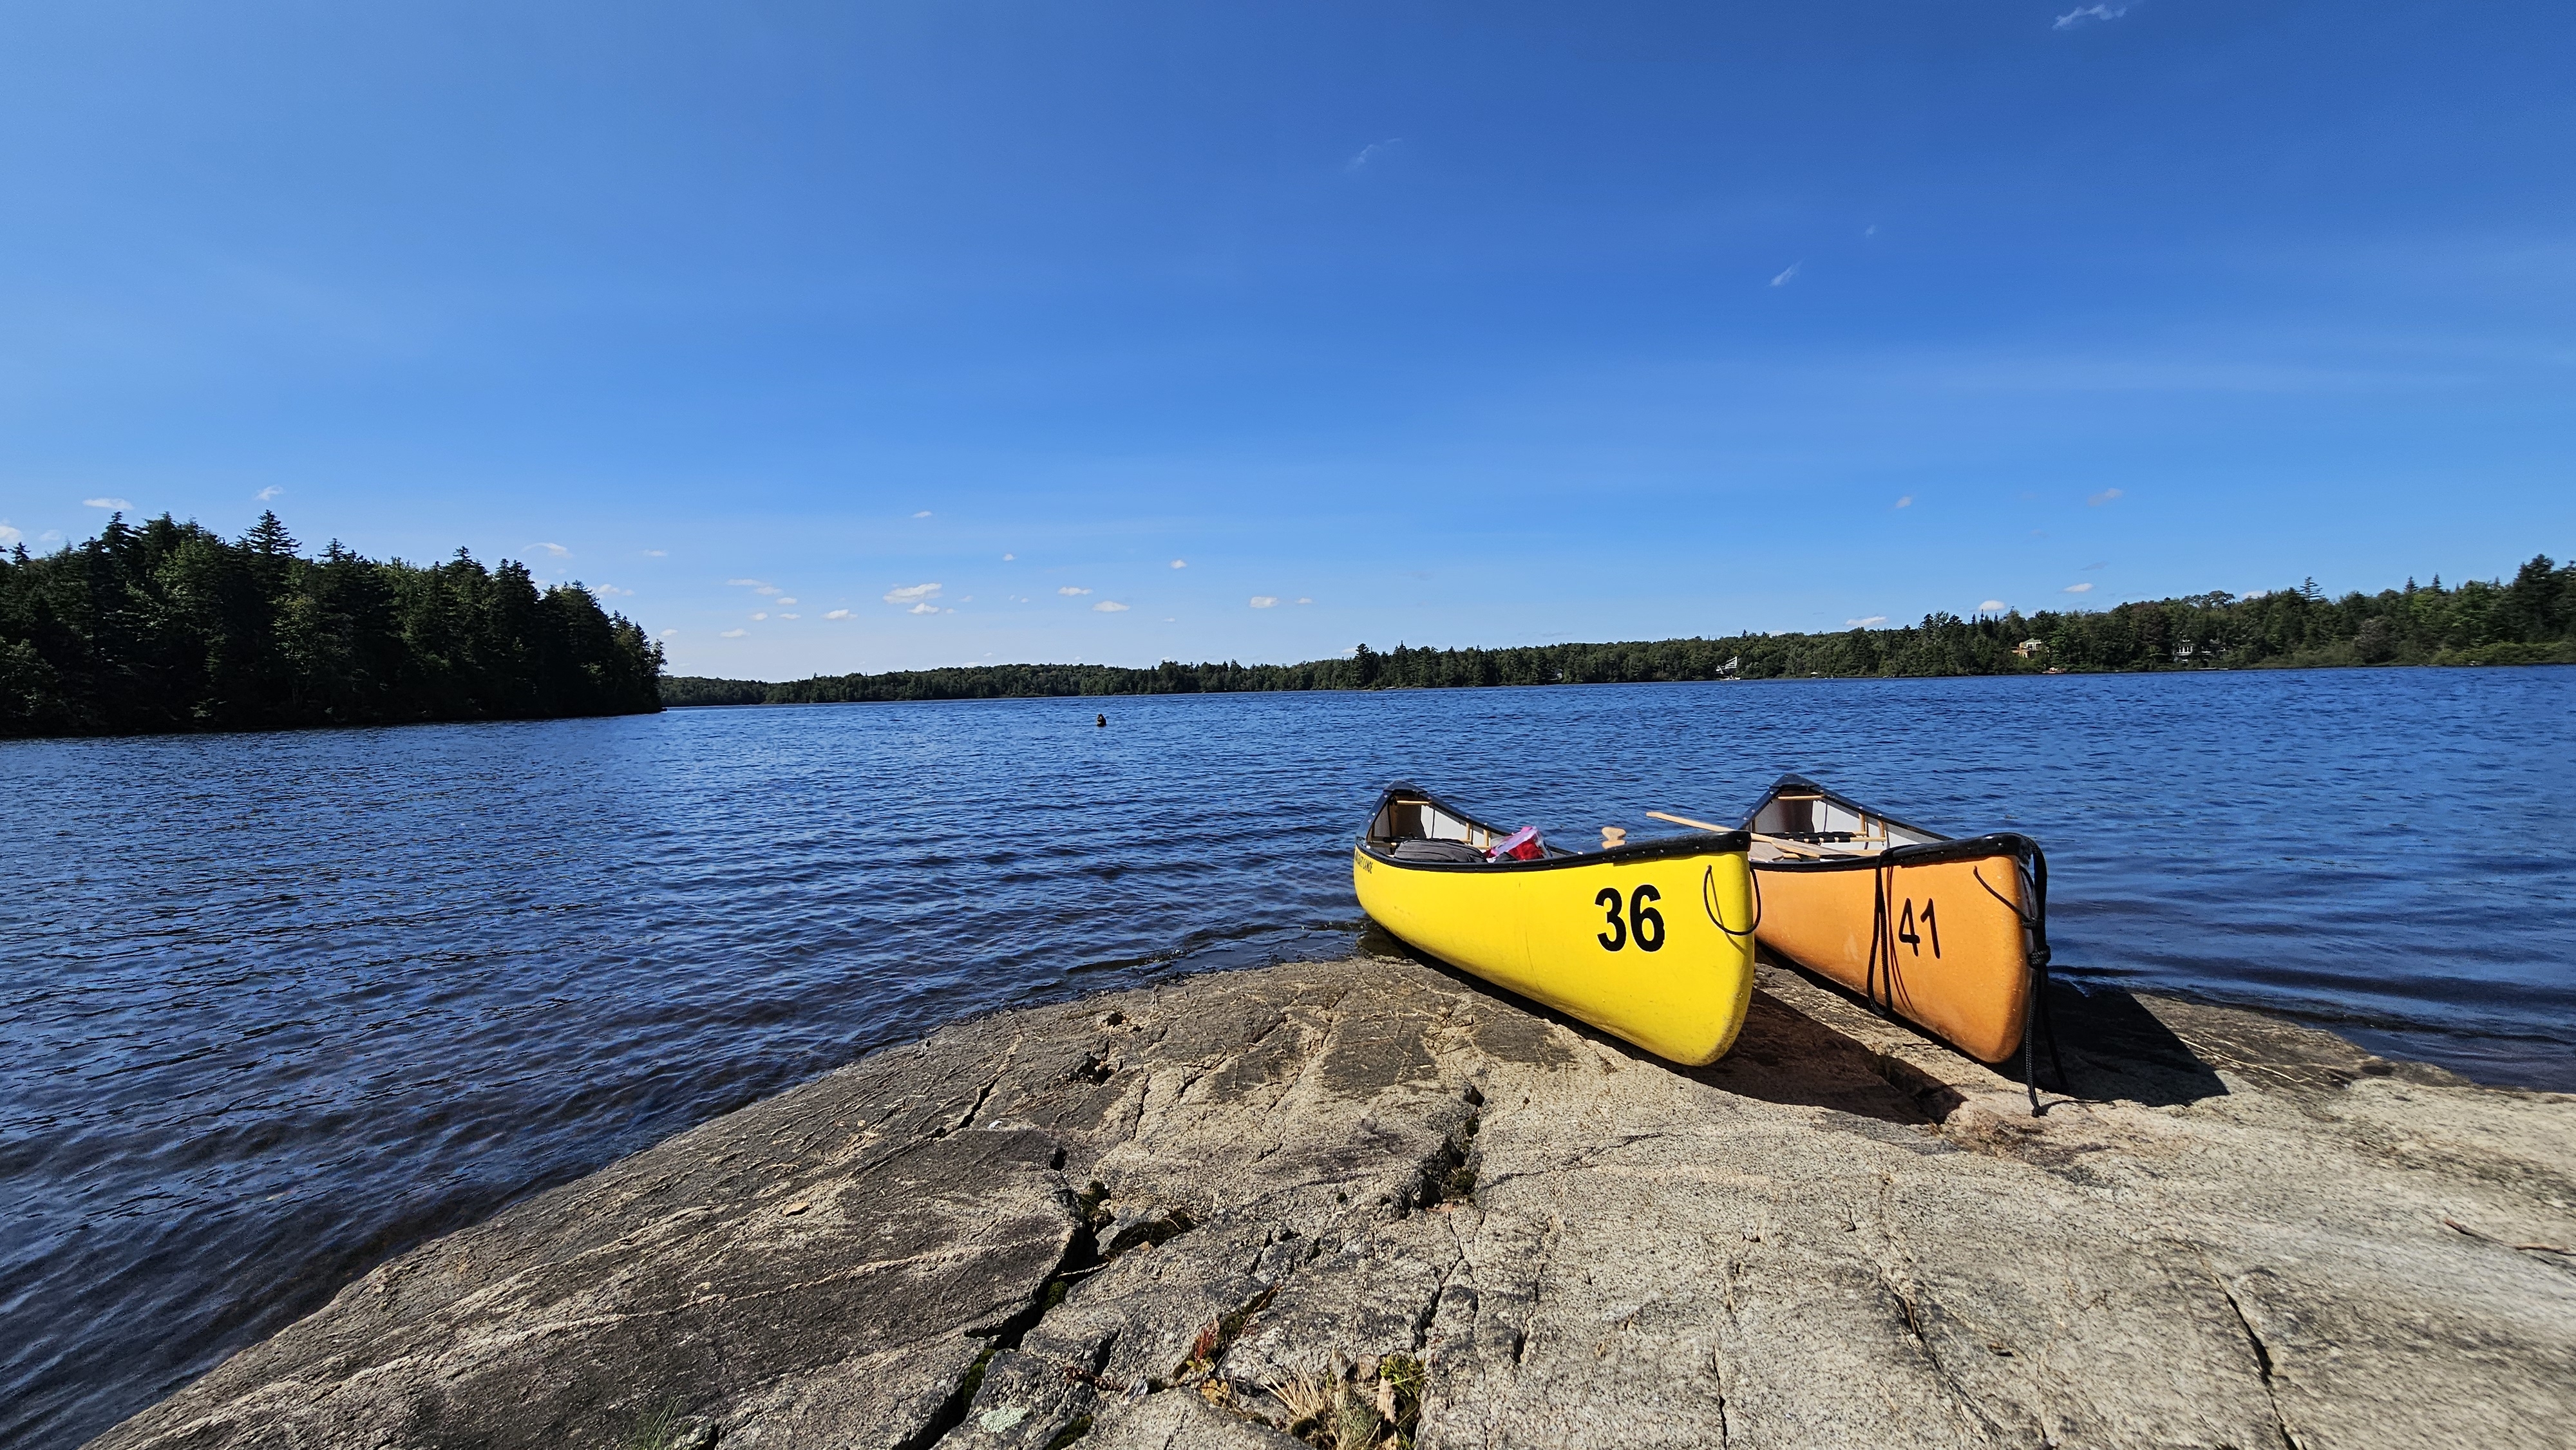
[(1407, 815), (1804, 821)]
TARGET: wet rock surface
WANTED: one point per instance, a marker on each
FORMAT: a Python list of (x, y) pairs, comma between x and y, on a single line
[(1338, 1203)]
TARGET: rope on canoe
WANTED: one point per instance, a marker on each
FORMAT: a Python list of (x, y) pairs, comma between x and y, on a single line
[(1708, 901), (2035, 940)]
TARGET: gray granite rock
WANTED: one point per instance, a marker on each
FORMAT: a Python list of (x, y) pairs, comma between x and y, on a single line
[(1370, 1196)]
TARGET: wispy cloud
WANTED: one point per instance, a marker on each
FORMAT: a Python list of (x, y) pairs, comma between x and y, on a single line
[(924, 607), (1371, 152), (1264, 601), (1783, 279), (1305, 601), (1180, 563), (839, 614), (1865, 622), (1993, 606), (657, 553), (2099, 499), (2084, 588), (265, 494), (2073, 18), (791, 616), (611, 589), (744, 584), (1006, 558), (558, 550), (1906, 502), (733, 634), (670, 634), (908, 593), (1110, 606), (9, 536), (925, 513), (760, 614), (784, 602), (1070, 590), (105, 503)]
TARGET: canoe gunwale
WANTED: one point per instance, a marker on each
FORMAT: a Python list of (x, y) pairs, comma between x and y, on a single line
[(1703, 843), (1997, 843), (1707, 843)]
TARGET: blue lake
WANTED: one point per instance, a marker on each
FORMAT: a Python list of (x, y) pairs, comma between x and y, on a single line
[(280, 1005)]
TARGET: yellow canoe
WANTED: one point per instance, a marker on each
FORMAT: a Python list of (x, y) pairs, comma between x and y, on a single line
[(1652, 942), (1951, 935)]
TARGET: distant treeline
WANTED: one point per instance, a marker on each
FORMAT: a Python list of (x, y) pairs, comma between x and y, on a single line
[(171, 627), (2529, 621)]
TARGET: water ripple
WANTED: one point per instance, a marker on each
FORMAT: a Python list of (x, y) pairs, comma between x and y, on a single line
[(280, 1005)]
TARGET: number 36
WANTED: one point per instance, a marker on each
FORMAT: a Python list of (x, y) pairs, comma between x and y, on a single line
[(1646, 922)]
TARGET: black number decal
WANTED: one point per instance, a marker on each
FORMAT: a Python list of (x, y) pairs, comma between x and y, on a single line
[(1933, 927), (1905, 930), (1617, 936), (1649, 923)]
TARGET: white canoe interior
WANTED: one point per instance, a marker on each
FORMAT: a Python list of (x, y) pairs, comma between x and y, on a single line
[(1414, 819), (1797, 824)]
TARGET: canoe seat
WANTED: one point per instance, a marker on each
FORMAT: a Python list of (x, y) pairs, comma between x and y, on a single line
[(1444, 852)]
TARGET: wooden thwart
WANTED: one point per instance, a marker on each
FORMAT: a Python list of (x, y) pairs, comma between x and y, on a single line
[(1803, 848)]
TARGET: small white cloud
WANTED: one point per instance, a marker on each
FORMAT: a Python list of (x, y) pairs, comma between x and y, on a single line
[(1264, 601), (1993, 606), (839, 614), (1180, 563), (1783, 279), (670, 634), (1870, 231), (743, 583), (611, 589), (1865, 623), (1070, 590), (2099, 499), (784, 602), (911, 592), (791, 616), (733, 634), (9, 535), (2073, 18), (657, 553), (925, 513), (51, 536), (558, 550), (762, 614), (2084, 588), (1906, 502), (105, 503), (766, 590), (1369, 153), (925, 607), (265, 494), (1305, 601), (1006, 558), (1109, 606)]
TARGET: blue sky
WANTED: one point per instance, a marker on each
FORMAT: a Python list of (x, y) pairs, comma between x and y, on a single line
[(1450, 324)]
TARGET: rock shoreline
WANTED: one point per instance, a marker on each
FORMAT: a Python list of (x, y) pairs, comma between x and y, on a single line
[(1335, 1203)]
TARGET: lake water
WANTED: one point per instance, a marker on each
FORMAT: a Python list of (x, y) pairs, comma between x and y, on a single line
[(278, 1006)]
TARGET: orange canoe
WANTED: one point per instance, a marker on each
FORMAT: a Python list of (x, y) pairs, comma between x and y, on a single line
[(1951, 935)]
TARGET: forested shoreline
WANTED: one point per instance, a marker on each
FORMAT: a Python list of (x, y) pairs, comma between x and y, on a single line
[(170, 627), (2529, 620)]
